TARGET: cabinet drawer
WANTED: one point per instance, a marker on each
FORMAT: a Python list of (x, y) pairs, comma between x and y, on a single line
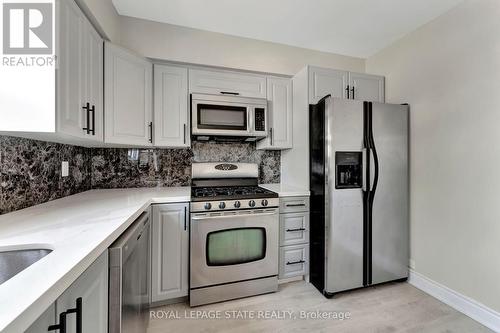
[(294, 204), (227, 83), (294, 261), (294, 228)]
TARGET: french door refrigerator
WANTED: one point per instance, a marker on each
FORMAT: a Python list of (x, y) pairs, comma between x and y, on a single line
[(359, 194)]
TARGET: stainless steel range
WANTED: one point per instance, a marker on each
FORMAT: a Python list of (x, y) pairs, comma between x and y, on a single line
[(234, 233)]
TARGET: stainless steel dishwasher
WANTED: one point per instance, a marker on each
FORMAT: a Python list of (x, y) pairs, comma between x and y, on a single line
[(129, 287)]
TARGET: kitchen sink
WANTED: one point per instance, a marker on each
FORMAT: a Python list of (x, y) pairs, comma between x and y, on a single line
[(13, 262)]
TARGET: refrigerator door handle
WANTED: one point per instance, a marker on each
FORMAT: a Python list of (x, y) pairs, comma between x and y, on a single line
[(364, 154), (372, 170)]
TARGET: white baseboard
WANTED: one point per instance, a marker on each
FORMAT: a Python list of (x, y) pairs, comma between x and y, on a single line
[(477, 311)]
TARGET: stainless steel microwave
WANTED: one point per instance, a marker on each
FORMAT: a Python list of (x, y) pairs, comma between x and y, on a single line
[(228, 116)]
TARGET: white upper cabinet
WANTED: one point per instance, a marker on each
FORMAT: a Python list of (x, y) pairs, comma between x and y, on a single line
[(279, 95), (128, 80), (80, 80), (342, 84), (171, 107), (94, 80), (227, 83), (366, 87), (325, 81)]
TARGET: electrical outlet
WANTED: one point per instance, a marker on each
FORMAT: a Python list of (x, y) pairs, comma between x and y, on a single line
[(65, 169), (412, 264)]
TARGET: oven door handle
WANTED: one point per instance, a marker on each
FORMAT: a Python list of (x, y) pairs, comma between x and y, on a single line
[(205, 217)]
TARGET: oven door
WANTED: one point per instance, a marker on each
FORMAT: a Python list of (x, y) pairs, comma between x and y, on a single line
[(221, 118), (233, 246)]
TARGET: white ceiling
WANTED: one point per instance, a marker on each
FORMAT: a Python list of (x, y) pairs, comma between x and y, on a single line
[(357, 28)]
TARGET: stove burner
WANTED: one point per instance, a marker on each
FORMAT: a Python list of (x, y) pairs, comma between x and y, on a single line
[(230, 192)]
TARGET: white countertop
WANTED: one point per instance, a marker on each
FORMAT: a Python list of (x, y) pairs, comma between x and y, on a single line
[(284, 190), (78, 229)]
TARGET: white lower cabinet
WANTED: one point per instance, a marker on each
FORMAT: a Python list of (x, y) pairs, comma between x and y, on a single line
[(170, 252), (92, 289), (294, 237), (86, 299), (48, 318), (294, 261), (294, 228)]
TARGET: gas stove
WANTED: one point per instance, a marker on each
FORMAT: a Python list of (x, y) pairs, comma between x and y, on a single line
[(228, 186)]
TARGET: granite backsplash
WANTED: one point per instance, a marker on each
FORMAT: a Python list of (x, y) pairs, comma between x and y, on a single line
[(30, 170)]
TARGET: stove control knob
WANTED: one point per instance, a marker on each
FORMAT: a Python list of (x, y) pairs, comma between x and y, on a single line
[(208, 206), (237, 204), (251, 203), (265, 202), (222, 205)]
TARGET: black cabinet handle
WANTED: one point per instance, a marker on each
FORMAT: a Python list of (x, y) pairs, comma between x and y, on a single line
[(150, 132), (295, 262), (295, 230), (347, 91), (272, 136), (185, 219), (93, 119), (78, 311), (62, 318), (62, 324), (229, 93), (184, 126), (296, 205), (352, 91), (87, 108)]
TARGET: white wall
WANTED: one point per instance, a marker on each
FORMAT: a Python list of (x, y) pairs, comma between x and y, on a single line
[(175, 43), (449, 73)]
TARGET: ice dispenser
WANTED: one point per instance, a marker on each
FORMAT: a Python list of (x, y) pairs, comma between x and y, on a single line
[(348, 166)]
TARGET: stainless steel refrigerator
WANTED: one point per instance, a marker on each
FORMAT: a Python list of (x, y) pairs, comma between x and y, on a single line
[(359, 194)]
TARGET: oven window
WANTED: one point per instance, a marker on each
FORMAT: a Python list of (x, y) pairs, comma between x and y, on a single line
[(222, 117), (236, 246)]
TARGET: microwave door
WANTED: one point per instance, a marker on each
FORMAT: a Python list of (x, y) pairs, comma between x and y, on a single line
[(217, 119)]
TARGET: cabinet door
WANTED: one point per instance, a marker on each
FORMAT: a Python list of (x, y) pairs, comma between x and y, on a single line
[(128, 80), (227, 83), (294, 261), (48, 318), (279, 95), (324, 81), (367, 87), (171, 111), (92, 287), (294, 228), (170, 239), (71, 117), (93, 70)]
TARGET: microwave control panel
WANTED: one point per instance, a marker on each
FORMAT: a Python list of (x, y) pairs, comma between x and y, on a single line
[(260, 119)]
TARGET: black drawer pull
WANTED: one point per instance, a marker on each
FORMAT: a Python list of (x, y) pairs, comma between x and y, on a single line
[(62, 318), (88, 110), (62, 324), (296, 205), (294, 230), (229, 93), (295, 262)]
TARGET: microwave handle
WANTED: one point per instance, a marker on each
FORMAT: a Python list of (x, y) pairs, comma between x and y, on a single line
[(250, 119)]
